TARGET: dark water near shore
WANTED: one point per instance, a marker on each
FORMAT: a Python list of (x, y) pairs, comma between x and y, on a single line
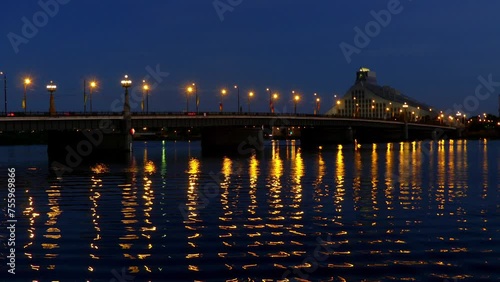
[(385, 212)]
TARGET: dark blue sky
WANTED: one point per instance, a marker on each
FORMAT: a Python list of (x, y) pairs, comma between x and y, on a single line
[(433, 51)]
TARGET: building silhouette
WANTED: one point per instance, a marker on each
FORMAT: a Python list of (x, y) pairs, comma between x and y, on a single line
[(367, 99)]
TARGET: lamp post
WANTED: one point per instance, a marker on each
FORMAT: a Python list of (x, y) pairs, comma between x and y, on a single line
[(317, 105), (335, 103), (27, 82), (84, 96), (4, 89), (275, 97), (250, 95), (93, 85), (238, 89), (145, 87), (221, 106), (295, 101), (51, 87), (126, 83), (197, 100), (270, 100), (189, 91)]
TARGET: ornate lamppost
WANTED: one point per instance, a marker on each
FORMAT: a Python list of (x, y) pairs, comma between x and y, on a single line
[(51, 87)]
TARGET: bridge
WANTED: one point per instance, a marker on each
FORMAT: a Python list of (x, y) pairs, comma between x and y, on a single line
[(80, 121), (110, 132)]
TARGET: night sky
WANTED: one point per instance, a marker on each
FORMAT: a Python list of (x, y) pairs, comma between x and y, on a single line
[(433, 51)]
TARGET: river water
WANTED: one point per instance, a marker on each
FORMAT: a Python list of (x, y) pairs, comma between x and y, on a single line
[(386, 212)]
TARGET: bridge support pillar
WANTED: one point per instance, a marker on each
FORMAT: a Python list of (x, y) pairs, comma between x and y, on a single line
[(231, 140), (314, 136), (405, 132), (76, 146)]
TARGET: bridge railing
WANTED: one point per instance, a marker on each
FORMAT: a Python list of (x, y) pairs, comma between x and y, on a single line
[(202, 114)]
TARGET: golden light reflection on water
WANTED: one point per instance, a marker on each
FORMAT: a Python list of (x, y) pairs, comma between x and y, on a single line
[(389, 178), (275, 199), (339, 182), (148, 228), (356, 185), (95, 187), (375, 180), (52, 233), (194, 223), (253, 172), (484, 166), (129, 210), (264, 207), (296, 188), (321, 190), (31, 214), (225, 224)]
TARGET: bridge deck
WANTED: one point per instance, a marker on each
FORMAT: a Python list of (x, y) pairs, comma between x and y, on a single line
[(80, 121)]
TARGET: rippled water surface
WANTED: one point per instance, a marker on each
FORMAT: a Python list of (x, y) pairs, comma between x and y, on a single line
[(400, 211)]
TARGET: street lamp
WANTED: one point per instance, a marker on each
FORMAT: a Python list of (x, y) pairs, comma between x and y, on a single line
[(51, 87), (145, 87), (126, 83), (270, 100), (250, 95), (316, 105), (27, 81), (275, 97), (4, 89), (93, 85), (295, 101), (189, 91), (222, 93), (197, 100), (237, 88)]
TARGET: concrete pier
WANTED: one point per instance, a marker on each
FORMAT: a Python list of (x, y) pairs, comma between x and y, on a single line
[(314, 136), (87, 143), (231, 140)]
